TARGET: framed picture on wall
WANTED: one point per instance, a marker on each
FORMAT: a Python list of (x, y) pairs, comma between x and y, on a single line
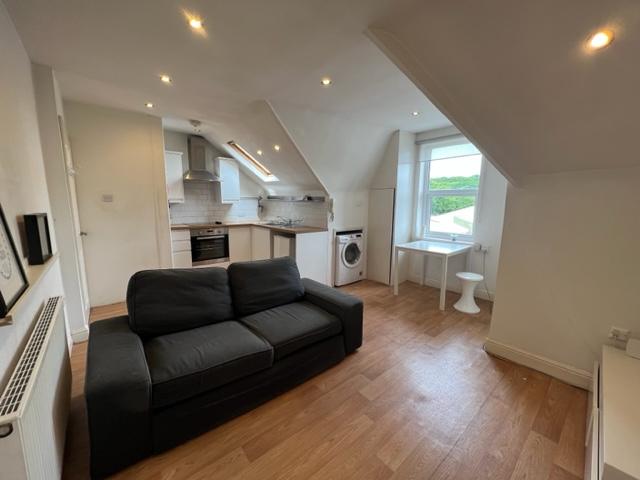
[(13, 280)]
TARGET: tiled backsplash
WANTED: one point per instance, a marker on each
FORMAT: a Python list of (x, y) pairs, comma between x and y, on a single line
[(201, 206), (313, 214)]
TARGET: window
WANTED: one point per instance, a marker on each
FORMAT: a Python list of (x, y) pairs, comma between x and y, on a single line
[(449, 183), (251, 163)]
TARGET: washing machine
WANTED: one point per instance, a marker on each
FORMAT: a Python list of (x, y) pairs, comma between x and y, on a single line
[(349, 257)]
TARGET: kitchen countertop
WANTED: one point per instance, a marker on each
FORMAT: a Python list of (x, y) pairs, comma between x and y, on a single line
[(277, 228)]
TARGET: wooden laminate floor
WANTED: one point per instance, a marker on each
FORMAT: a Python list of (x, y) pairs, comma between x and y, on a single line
[(419, 400)]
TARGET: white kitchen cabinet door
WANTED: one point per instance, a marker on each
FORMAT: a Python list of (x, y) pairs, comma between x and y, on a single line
[(182, 259), (283, 245), (260, 243), (173, 169), (229, 180), (240, 244), (380, 235), (312, 256)]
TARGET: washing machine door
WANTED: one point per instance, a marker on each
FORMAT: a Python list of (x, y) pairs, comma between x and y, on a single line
[(351, 255)]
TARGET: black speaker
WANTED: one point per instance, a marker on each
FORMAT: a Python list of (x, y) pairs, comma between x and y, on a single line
[(38, 239)]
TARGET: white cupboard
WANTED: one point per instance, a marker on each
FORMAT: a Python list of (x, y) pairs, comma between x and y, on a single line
[(173, 172), (181, 248), (240, 244), (380, 235), (229, 180), (617, 435), (260, 243)]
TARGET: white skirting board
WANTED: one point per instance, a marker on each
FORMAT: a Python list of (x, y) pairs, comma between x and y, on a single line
[(566, 373), (81, 335)]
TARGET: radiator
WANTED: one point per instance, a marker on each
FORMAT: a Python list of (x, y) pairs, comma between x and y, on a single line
[(35, 404)]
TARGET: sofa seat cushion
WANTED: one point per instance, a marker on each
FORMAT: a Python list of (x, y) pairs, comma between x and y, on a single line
[(293, 326), (191, 362)]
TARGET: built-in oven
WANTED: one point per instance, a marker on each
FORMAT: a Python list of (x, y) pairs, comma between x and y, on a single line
[(209, 246)]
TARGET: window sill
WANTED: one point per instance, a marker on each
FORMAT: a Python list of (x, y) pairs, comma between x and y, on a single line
[(448, 240)]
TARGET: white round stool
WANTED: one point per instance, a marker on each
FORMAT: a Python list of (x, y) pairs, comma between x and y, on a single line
[(467, 303)]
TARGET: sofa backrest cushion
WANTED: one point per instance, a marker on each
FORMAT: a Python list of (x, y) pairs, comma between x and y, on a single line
[(264, 284), (172, 300)]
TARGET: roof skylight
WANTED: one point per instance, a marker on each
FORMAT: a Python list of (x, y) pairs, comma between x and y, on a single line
[(252, 164)]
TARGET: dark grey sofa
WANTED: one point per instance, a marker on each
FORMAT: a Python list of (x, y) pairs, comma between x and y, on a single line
[(201, 346)]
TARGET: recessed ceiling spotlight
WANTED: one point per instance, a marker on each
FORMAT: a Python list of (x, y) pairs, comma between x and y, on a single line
[(165, 79), (600, 39), (259, 152), (276, 147), (415, 113), (148, 105), (195, 23), (326, 81)]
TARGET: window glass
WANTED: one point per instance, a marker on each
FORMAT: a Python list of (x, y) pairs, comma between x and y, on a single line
[(455, 173), (452, 214), (449, 189)]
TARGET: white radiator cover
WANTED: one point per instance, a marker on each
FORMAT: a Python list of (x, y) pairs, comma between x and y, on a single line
[(35, 404)]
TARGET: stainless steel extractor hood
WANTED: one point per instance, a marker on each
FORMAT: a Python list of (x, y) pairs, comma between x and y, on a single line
[(201, 153)]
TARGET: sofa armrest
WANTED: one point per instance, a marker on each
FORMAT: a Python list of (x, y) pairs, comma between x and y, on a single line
[(347, 308), (118, 396)]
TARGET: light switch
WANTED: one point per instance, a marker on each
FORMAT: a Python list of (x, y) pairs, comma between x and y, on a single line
[(107, 198)]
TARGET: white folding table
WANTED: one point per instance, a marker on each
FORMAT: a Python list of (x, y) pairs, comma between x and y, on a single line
[(428, 248)]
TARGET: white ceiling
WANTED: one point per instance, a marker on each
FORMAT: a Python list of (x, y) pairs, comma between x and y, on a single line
[(517, 78), (276, 51)]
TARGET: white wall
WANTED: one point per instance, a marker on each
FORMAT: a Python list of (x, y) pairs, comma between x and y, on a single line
[(119, 153), (396, 171), (405, 197), (178, 142), (342, 153), (312, 214), (202, 205), (569, 264), (386, 173), (23, 187)]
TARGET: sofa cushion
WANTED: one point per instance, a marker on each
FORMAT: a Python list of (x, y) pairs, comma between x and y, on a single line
[(191, 362), (264, 284), (167, 301), (293, 326)]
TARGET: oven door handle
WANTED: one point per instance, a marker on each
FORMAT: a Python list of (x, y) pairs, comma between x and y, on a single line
[(213, 237)]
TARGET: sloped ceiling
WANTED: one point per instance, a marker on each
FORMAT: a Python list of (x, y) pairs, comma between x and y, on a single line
[(255, 53), (517, 78), (258, 128)]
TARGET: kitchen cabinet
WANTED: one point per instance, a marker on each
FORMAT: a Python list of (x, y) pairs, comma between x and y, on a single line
[(181, 248), (173, 172), (312, 256), (283, 245), (240, 244), (181, 259), (260, 243), (229, 180)]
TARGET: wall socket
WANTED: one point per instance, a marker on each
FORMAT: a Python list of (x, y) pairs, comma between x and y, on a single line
[(619, 334), (478, 247)]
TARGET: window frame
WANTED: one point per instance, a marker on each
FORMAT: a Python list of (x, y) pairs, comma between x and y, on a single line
[(423, 212)]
